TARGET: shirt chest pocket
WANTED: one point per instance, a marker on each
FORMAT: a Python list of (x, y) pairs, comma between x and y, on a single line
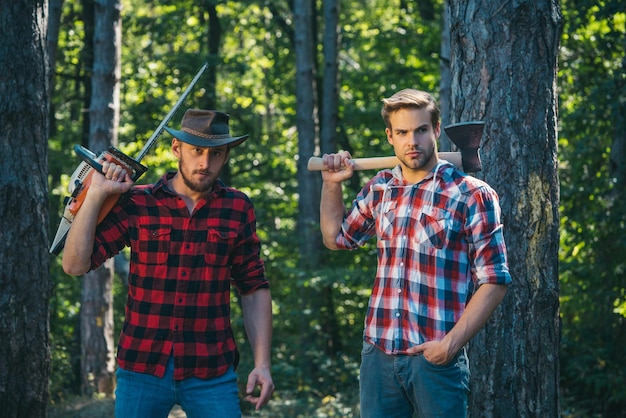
[(220, 242), (387, 227), (434, 228), (154, 245)]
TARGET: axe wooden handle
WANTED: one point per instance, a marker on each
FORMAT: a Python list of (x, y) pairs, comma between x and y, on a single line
[(379, 163)]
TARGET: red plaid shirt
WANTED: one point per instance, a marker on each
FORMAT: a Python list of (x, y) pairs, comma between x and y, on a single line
[(181, 269), (438, 240)]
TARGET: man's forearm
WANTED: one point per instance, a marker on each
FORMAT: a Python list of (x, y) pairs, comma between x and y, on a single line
[(332, 212), (477, 312), (80, 238), (257, 318)]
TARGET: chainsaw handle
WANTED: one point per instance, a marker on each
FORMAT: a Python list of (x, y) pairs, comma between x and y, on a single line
[(86, 156)]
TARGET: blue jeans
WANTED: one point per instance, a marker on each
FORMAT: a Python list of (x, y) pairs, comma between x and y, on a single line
[(401, 385), (141, 395)]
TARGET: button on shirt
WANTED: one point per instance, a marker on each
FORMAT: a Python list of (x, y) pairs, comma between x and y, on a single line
[(181, 269), (437, 241)]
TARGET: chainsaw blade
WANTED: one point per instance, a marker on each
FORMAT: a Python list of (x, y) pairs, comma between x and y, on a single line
[(76, 181), (62, 230)]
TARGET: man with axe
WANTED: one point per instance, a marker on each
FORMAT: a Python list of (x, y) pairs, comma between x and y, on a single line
[(191, 237), (442, 266)]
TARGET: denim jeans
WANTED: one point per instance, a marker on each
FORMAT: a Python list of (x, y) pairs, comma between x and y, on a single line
[(397, 386), (141, 395)]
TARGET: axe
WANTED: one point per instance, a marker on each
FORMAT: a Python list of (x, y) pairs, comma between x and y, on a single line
[(465, 135)]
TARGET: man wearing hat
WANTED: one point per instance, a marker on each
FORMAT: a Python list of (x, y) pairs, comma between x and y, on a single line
[(190, 237)]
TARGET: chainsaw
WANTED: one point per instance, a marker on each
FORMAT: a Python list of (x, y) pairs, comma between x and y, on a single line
[(80, 180)]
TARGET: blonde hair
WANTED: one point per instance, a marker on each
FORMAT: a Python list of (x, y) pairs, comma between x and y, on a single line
[(410, 99)]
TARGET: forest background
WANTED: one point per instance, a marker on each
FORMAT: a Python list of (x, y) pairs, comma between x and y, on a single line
[(384, 46)]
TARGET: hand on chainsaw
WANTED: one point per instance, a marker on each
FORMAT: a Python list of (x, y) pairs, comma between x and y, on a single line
[(114, 181)]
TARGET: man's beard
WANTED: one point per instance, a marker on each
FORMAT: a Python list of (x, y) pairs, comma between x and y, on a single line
[(426, 155), (198, 187)]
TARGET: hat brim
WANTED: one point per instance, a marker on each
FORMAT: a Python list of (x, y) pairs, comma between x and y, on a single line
[(205, 142)]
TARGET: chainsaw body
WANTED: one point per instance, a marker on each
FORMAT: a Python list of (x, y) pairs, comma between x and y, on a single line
[(81, 178), (80, 181)]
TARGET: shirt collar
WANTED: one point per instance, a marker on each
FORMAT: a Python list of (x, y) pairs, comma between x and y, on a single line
[(442, 169)]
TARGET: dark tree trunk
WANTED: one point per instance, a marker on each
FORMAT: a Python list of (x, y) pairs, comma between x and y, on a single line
[(24, 282), (329, 107), (504, 58), (446, 79), (307, 132), (213, 45), (214, 41)]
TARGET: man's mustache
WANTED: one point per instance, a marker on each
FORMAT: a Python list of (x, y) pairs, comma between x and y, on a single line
[(205, 172)]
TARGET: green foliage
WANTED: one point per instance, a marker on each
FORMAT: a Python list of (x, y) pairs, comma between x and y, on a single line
[(319, 314), (593, 224)]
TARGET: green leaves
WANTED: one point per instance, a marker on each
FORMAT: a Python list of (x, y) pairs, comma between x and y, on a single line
[(593, 214)]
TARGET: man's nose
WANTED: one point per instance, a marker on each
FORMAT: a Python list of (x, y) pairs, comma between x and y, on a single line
[(205, 160)]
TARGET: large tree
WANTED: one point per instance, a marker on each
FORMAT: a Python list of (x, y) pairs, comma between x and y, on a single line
[(307, 123), (504, 60), (24, 281)]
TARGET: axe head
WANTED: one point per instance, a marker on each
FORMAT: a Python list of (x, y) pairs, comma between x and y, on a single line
[(466, 136)]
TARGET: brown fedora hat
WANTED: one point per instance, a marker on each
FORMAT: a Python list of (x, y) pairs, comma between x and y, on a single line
[(206, 128)]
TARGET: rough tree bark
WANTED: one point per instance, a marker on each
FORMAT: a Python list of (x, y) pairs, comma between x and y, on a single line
[(306, 110), (97, 342), (504, 57), (24, 281)]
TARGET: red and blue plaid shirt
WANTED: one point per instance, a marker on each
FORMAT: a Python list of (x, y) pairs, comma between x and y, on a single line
[(181, 269), (437, 240)]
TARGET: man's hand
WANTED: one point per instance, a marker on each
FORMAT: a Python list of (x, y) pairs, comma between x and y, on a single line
[(337, 167), (80, 238), (115, 180), (435, 352), (259, 377), (478, 310)]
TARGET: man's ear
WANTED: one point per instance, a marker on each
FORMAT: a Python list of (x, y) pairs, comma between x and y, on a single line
[(176, 144), (389, 137), (437, 129)]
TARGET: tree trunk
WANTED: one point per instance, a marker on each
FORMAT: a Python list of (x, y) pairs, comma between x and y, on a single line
[(24, 283), (504, 58), (98, 361), (214, 42), (446, 79), (329, 107), (307, 132), (308, 185), (328, 132)]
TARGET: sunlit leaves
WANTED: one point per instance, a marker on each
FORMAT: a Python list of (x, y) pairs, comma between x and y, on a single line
[(592, 95), (383, 47)]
